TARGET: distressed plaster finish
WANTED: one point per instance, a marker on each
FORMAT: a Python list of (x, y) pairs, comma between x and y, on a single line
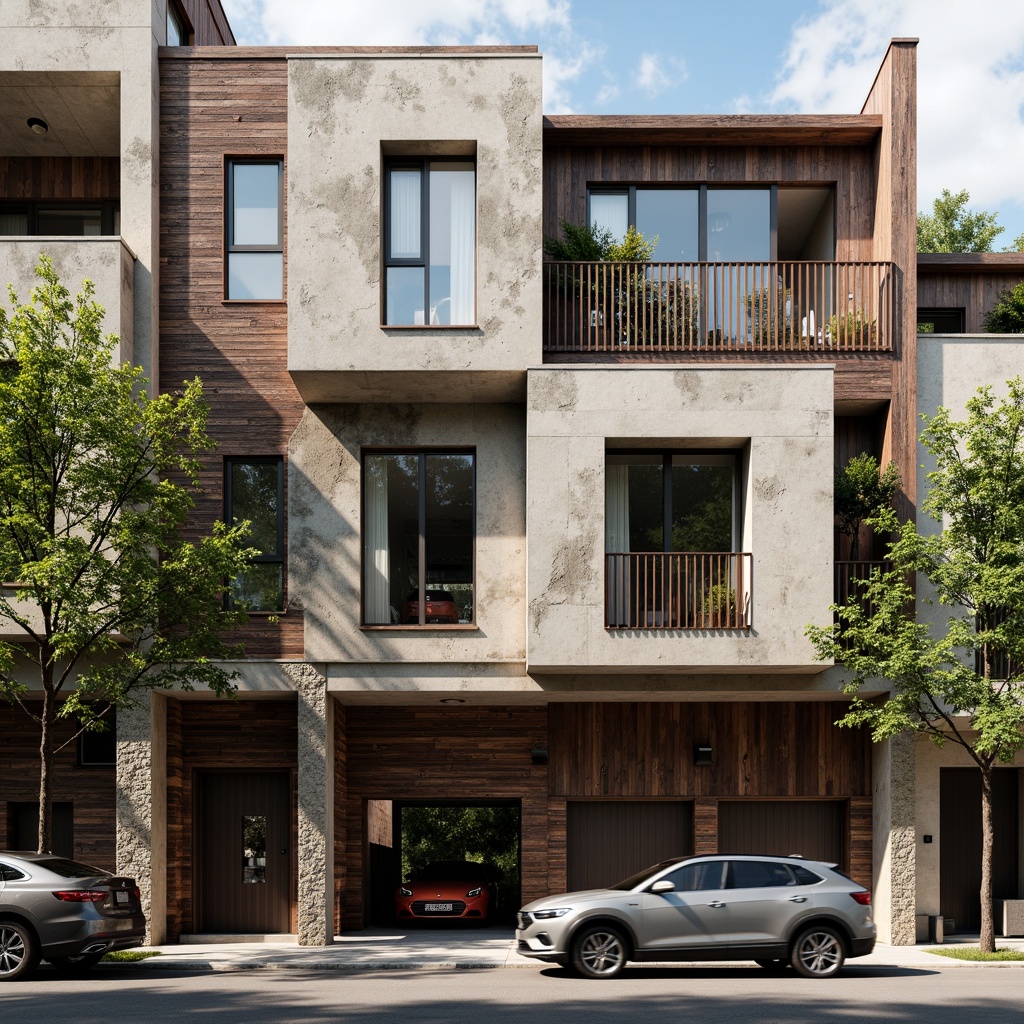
[(893, 798), (119, 36), (316, 806), (341, 110), (325, 546), (107, 262), (781, 416), (141, 806)]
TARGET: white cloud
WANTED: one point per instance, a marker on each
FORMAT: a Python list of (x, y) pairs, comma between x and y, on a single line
[(970, 85), (608, 93), (657, 73), (560, 72)]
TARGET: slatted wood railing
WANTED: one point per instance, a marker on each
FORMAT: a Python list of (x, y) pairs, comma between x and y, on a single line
[(677, 590), (685, 307), (848, 578)]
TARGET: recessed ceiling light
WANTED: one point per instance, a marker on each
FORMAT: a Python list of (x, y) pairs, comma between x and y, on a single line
[(38, 125), (452, 700)]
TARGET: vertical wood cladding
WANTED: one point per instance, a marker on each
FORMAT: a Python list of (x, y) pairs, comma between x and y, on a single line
[(209, 24), (212, 109), (976, 294), (340, 807), (90, 790), (201, 735), (60, 177)]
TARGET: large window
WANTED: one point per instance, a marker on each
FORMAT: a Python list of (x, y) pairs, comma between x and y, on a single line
[(68, 219), (254, 492), (255, 229), (419, 514), (430, 242)]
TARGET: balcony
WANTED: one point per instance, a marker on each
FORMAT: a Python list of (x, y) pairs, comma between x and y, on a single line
[(814, 307), (677, 590), (848, 577)]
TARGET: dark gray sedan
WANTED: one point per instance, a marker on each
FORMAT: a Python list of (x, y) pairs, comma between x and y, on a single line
[(68, 913)]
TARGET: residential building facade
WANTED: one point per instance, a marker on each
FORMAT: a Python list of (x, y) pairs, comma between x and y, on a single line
[(535, 533)]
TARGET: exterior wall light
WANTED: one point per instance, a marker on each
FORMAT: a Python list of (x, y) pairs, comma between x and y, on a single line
[(539, 755), (702, 756), (452, 700), (38, 125)]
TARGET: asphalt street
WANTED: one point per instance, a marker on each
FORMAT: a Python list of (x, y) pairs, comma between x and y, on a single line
[(129, 995)]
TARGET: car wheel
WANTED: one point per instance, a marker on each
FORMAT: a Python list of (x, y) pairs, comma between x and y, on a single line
[(75, 964), (19, 951), (818, 952), (599, 952), (772, 965)]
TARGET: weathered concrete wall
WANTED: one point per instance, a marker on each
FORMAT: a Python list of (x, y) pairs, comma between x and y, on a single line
[(781, 415), (343, 113), (107, 262), (324, 540), (893, 806)]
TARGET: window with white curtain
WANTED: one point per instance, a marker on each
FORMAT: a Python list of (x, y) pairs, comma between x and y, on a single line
[(430, 243), (418, 527)]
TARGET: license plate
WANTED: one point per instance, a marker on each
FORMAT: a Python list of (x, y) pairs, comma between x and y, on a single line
[(438, 908), (120, 897)]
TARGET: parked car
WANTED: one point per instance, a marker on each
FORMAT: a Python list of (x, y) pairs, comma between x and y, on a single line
[(440, 607), (68, 913), (448, 890), (776, 911)]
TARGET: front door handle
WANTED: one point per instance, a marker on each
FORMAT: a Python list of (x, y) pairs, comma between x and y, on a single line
[(797, 899), (716, 904)]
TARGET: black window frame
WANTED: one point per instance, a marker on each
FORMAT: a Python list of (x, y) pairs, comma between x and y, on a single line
[(279, 556), (423, 586), (230, 163), (928, 314), (107, 209), (421, 164)]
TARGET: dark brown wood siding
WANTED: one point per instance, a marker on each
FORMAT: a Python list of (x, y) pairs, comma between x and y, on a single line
[(209, 23), (212, 110), (60, 177), (89, 790), (976, 294), (815, 829), (257, 735)]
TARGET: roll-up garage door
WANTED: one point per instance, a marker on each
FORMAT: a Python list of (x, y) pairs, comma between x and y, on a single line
[(811, 828), (611, 840)]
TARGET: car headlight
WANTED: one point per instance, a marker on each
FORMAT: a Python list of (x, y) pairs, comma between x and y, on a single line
[(544, 915), (475, 892), (405, 892)]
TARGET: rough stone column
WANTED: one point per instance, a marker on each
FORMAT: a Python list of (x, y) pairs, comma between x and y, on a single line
[(142, 806), (895, 842), (316, 806)]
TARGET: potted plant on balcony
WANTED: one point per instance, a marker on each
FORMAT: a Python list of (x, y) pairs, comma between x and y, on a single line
[(770, 317), (851, 330)]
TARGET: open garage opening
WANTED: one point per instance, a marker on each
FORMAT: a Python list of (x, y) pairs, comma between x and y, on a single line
[(443, 863)]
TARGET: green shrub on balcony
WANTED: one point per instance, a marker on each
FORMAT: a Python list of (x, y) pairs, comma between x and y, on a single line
[(851, 327)]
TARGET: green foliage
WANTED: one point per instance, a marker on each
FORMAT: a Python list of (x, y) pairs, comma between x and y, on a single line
[(719, 602), (128, 956), (95, 487), (1007, 315), (950, 227), (973, 953), (860, 492), (587, 242), (769, 316), (634, 248), (851, 328), (1017, 245)]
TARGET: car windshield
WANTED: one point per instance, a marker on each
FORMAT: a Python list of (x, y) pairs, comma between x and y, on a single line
[(641, 876), (70, 868)]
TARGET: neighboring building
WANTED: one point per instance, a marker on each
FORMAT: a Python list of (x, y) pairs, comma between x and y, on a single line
[(533, 534)]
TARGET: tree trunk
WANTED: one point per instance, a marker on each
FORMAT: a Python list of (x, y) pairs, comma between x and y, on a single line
[(45, 771), (988, 940)]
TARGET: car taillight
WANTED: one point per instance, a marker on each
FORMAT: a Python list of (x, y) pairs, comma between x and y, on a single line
[(81, 895), (137, 892), (863, 897)]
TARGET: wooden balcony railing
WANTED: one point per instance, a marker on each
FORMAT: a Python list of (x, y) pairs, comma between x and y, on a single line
[(700, 307), (677, 590), (848, 577)]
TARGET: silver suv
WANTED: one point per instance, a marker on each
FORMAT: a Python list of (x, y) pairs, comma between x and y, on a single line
[(776, 911)]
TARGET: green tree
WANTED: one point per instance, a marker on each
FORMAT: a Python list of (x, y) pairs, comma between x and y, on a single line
[(960, 680), (1007, 315), (1017, 245), (951, 227), (860, 492), (107, 595)]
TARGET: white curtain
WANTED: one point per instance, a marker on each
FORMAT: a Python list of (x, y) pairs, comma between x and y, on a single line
[(463, 241), (616, 539), (375, 542), (405, 214)]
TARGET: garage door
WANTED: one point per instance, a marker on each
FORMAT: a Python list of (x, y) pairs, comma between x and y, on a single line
[(610, 840), (812, 828)]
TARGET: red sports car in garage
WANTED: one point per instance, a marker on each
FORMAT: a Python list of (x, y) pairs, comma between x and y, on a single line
[(447, 890)]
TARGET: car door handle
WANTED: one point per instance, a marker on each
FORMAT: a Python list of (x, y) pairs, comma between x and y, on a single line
[(797, 899), (716, 904)]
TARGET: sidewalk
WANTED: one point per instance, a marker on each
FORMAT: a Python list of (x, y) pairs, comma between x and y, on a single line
[(393, 949)]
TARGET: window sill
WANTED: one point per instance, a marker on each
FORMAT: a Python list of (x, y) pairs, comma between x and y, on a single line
[(432, 627), (430, 327), (254, 302)]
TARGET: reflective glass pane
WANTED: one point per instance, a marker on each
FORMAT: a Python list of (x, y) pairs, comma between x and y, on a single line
[(610, 210), (405, 213), (66, 221), (391, 539), (256, 195), (405, 293), (255, 275), (175, 36), (254, 849), (254, 496), (452, 242), (449, 539), (646, 503), (702, 513), (260, 588), (671, 215), (739, 224), (14, 223)]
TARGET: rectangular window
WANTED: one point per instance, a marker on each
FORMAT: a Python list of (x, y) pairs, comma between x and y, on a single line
[(430, 242), (254, 491), (254, 849), (419, 522), (255, 229), (179, 32), (99, 749), (61, 219)]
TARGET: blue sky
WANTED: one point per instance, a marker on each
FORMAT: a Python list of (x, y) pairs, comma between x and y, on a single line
[(681, 56)]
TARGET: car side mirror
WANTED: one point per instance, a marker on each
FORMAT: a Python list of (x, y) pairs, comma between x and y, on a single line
[(663, 886)]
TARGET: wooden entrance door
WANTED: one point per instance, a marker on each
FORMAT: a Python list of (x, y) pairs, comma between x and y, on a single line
[(245, 875)]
